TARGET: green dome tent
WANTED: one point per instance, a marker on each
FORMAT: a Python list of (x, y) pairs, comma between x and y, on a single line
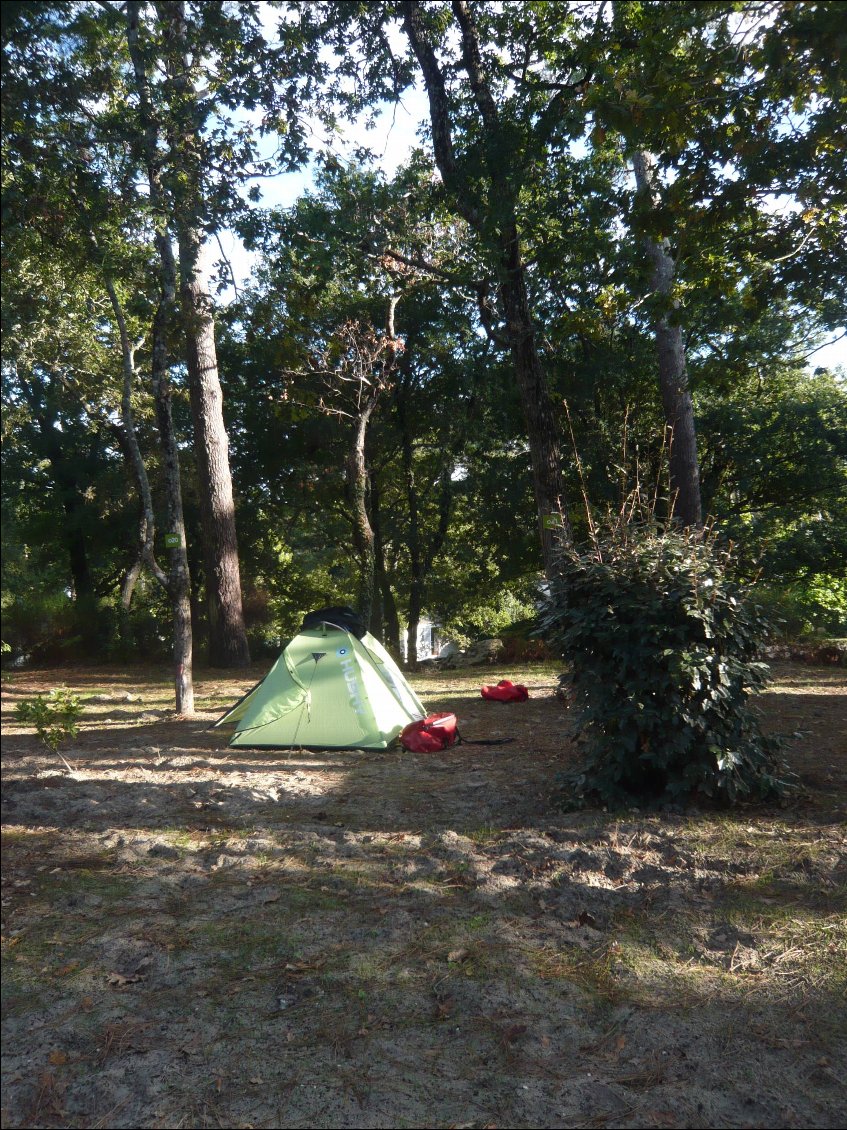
[(333, 687)]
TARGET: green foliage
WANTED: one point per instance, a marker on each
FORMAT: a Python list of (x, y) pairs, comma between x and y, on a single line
[(708, 90), (56, 717), (815, 608), (663, 644), (493, 611)]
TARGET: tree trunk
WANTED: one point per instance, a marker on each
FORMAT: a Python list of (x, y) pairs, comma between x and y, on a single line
[(363, 534), (388, 623), (227, 636), (179, 575), (685, 504), (416, 598), (519, 332), (83, 585), (178, 585), (391, 618), (542, 429)]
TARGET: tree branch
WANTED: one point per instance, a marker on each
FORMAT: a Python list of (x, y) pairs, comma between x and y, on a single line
[(147, 529), (439, 110)]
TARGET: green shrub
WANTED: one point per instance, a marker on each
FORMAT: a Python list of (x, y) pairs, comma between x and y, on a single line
[(663, 646), (807, 610), (56, 717)]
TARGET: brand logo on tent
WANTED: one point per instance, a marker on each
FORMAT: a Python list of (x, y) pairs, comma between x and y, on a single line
[(348, 666)]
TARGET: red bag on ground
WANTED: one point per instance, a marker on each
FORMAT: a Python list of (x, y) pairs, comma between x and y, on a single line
[(431, 734), (505, 691)]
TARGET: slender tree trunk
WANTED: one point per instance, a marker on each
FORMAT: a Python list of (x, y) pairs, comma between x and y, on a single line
[(391, 618), (685, 503), (129, 582), (422, 557), (387, 627), (416, 596), (413, 540), (363, 534), (227, 635), (83, 584), (179, 575), (378, 611), (541, 424), (519, 332), (228, 639), (178, 584)]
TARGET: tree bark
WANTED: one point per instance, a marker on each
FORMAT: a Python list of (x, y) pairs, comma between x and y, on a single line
[(385, 622), (228, 645), (179, 575), (363, 534), (415, 609), (178, 584), (422, 556), (519, 331), (540, 419), (685, 503), (227, 635)]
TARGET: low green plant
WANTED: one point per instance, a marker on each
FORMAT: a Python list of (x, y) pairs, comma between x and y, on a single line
[(663, 645), (55, 717)]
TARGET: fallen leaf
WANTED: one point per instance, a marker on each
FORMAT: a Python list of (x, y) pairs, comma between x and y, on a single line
[(58, 1058), (456, 956)]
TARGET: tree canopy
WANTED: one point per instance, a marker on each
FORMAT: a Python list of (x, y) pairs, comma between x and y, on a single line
[(431, 368)]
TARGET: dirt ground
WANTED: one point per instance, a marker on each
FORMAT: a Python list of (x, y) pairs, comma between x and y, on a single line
[(201, 937)]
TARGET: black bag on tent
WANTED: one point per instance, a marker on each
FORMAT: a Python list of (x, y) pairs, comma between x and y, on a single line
[(339, 617)]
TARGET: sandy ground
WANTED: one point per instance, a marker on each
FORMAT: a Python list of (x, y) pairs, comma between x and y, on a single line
[(201, 937)]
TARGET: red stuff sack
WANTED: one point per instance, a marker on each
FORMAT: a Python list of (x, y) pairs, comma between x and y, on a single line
[(437, 731), (505, 691)]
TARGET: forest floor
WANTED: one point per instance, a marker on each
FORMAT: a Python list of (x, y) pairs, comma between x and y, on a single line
[(195, 936)]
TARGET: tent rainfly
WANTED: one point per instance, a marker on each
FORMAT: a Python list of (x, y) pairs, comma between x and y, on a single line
[(333, 687)]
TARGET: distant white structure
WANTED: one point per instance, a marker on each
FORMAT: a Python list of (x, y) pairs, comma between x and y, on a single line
[(429, 640)]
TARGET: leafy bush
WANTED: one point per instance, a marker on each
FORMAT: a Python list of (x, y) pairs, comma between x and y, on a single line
[(56, 717), (807, 610), (663, 645), (521, 644)]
